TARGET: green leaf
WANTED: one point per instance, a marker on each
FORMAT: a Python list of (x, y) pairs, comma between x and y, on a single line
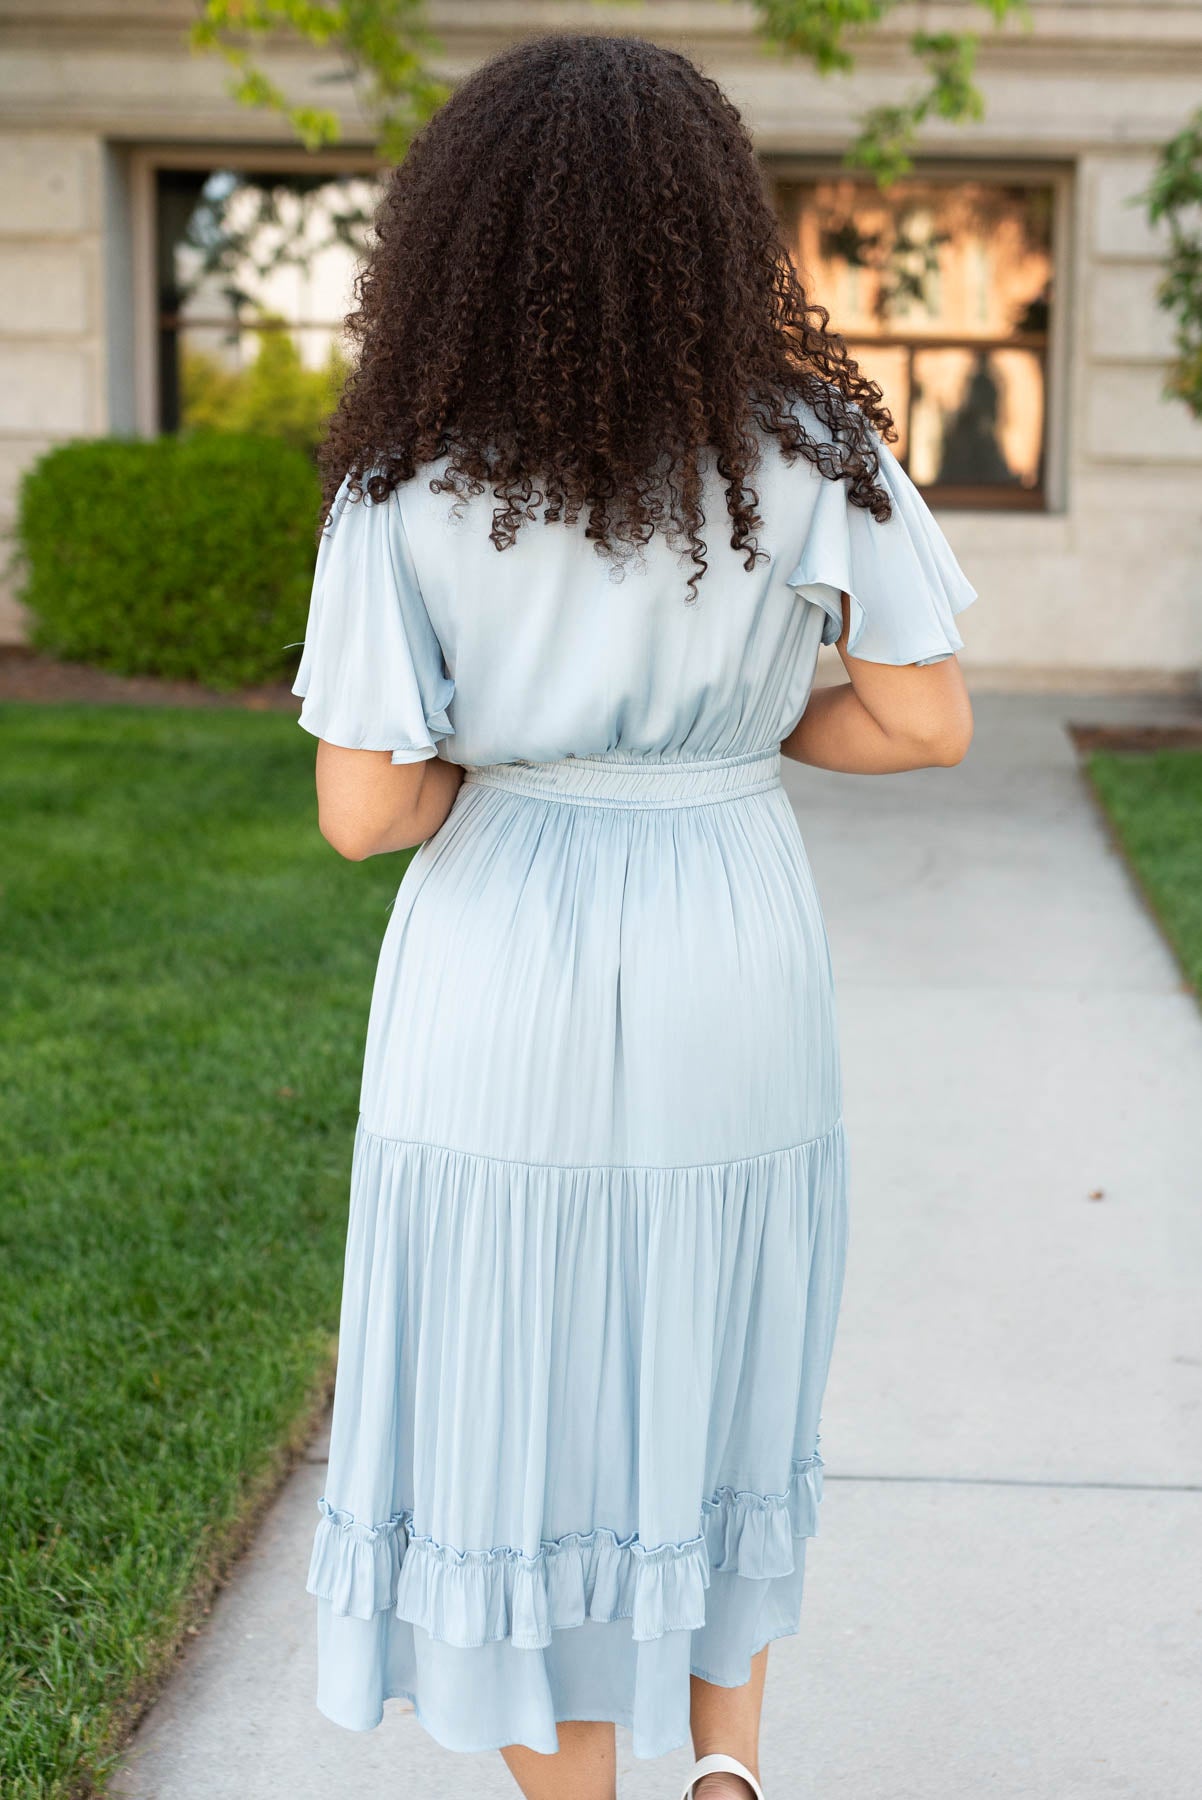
[(888, 134), (1172, 198), (384, 49)]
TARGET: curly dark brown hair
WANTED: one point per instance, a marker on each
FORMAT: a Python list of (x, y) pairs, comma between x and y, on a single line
[(576, 285)]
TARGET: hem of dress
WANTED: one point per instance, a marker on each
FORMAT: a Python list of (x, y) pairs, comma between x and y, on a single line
[(470, 1598), (624, 1719), (400, 753)]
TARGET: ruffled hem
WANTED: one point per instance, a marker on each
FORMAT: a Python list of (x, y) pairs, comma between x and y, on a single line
[(470, 1598), (901, 576), (337, 731), (438, 726)]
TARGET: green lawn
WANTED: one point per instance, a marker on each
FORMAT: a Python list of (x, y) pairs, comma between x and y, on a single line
[(186, 969), (1155, 805)]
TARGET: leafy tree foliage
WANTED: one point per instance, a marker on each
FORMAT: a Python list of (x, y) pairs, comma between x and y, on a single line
[(1174, 198), (381, 51)]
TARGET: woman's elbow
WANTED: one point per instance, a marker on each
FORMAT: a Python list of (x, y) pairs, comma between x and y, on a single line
[(356, 839), (947, 743), (366, 805), (348, 839)]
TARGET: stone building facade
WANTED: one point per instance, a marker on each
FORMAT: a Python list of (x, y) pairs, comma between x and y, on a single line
[(1076, 502)]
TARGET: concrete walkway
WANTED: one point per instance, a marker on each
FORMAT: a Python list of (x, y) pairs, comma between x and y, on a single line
[(1006, 1595)]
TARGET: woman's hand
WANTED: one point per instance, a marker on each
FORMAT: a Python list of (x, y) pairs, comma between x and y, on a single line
[(368, 805), (884, 719)]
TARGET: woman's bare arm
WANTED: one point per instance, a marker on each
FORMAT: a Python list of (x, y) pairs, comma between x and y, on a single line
[(884, 719), (368, 805)]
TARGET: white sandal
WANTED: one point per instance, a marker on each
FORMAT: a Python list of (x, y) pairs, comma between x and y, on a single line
[(717, 1764)]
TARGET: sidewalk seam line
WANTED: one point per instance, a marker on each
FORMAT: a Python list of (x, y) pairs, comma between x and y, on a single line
[(1122, 1487)]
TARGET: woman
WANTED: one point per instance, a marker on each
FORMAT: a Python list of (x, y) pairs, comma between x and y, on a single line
[(600, 485)]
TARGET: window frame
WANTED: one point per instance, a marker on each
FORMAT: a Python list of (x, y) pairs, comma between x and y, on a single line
[(144, 165), (1057, 177)]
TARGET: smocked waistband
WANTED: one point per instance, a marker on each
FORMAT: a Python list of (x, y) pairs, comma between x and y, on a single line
[(616, 779)]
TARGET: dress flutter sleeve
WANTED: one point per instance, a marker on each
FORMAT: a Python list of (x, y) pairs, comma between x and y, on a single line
[(901, 577), (372, 674)]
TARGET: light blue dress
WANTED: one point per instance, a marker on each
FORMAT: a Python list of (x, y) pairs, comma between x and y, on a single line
[(598, 1203)]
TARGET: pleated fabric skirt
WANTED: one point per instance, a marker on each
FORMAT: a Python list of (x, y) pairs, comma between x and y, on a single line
[(594, 1258)]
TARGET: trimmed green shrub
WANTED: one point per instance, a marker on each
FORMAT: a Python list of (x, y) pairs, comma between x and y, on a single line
[(274, 394), (186, 557)]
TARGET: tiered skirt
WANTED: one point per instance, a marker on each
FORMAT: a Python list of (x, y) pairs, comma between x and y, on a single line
[(594, 1259)]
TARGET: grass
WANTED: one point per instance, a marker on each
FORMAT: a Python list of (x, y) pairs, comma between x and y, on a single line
[(1154, 803), (186, 969)]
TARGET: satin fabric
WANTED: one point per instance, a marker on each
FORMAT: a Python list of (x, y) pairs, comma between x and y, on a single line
[(598, 1212)]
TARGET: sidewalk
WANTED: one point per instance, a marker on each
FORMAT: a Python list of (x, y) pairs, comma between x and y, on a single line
[(1005, 1597)]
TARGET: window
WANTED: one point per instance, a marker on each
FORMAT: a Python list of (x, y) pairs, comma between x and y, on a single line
[(943, 290), (253, 262)]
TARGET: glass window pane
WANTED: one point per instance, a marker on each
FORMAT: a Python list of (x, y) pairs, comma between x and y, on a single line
[(977, 418), (944, 289), (889, 367), (926, 259), (241, 257)]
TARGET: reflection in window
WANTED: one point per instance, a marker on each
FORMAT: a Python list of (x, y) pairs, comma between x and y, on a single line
[(943, 291), (255, 275)]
